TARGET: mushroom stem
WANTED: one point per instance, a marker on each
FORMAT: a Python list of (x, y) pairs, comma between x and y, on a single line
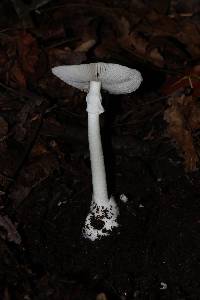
[(103, 214), (94, 108), (100, 194)]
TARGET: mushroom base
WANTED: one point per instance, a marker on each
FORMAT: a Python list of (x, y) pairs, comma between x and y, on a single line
[(101, 220)]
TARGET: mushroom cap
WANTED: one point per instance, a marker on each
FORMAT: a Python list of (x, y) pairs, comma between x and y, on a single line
[(114, 78)]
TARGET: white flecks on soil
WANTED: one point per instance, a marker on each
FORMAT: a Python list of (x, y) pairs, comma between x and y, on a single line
[(163, 286), (123, 198)]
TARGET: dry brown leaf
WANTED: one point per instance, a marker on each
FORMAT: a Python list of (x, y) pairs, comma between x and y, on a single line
[(85, 46), (183, 36), (124, 26), (109, 42), (105, 49), (130, 39), (4, 181), (12, 234), (3, 60), (65, 56), (161, 23), (137, 43), (6, 295), (101, 296), (28, 52), (51, 32), (182, 116), (7, 52), (3, 127), (38, 150), (33, 174), (24, 59), (190, 36), (156, 57), (190, 79), (16, 77)]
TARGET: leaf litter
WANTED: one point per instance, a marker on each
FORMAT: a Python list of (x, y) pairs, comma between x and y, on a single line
[(44, 157)]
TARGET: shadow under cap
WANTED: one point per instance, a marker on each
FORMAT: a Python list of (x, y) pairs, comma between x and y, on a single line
[(115, 79)]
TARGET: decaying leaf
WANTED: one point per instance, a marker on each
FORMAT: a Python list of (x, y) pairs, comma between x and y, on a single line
[(28, 52), (4, 181), (16, 77), (190, 79), (65, 56), (38, 150), (11, 232), (7, 53), (33, 174), (101, 296), (183, 116), (138, 43), (170, 49), (51, 33), (85, 46), (3, 128), (21, 57), (24, 7), (189, 35)]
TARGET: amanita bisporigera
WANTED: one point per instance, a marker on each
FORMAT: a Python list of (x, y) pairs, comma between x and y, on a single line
[(115, 79)]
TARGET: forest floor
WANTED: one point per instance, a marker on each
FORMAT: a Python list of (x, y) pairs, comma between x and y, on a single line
[(151, 141)]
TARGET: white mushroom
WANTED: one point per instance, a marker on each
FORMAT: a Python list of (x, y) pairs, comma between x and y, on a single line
[(115, 79)]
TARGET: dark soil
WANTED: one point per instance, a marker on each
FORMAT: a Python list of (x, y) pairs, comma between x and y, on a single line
[(46, 193)]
